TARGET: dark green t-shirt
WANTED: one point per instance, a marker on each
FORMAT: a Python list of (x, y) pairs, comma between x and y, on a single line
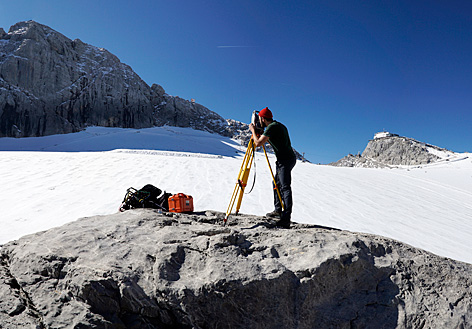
[(280, 141)]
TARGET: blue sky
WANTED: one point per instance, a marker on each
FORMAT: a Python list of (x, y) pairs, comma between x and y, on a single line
[(335, 72)]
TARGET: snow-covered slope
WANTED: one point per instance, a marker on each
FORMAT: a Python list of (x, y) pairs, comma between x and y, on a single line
[(427, 206), (106, 139)]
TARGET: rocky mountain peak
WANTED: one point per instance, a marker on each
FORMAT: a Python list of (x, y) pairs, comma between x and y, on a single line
[(30, 30), (390, 150), (50, 84)]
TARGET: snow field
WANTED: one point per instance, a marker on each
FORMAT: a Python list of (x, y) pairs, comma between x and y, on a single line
[(429, 207)]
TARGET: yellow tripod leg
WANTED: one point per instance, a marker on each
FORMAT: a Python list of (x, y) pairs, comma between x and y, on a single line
[(243, 177), (273, 179), (242, 180)]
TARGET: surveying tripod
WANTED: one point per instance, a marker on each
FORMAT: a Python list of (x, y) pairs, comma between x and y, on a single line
[(243, 176)]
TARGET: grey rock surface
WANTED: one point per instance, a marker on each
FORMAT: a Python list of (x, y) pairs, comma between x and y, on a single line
[(389, 152), (141, 269), (178, 112), (399, 151), (358, 160)]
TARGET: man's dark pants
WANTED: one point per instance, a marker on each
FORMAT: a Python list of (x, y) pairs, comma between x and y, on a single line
[(283, 178)]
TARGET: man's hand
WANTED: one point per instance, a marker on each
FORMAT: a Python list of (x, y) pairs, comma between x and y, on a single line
[(251, 127), (258, 140)]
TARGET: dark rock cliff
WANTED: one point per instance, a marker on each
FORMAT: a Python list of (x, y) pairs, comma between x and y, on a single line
[(50, 84)]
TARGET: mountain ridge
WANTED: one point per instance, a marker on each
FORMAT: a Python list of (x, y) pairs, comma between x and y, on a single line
[(50, 84)]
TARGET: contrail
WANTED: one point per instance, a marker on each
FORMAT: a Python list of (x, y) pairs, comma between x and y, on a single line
[(234, 46)]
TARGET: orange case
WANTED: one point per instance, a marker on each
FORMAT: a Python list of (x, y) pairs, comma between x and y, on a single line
[(180, 203)]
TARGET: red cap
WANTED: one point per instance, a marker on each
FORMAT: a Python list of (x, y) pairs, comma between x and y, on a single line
[(265, 113)]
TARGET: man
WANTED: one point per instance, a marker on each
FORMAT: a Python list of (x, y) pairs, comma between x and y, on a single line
[(277, 135)]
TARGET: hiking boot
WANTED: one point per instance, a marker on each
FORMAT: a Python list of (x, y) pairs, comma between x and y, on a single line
[(283, 223), (274, 214)]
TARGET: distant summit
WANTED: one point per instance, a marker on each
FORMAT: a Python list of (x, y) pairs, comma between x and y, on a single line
[(383, 134), (50, 84), (390, 150)]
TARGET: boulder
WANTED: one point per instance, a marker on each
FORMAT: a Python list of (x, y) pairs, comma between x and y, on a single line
[(142, 269)]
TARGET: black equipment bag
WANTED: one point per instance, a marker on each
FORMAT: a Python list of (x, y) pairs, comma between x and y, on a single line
[(147, 197)]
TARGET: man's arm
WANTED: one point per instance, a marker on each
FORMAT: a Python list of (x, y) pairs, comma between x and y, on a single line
[(258, 141)]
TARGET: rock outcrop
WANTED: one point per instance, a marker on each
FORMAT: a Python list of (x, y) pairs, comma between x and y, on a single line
[(358, 160), (141, 269), (178, 112), (50, 84), (394, 151)]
